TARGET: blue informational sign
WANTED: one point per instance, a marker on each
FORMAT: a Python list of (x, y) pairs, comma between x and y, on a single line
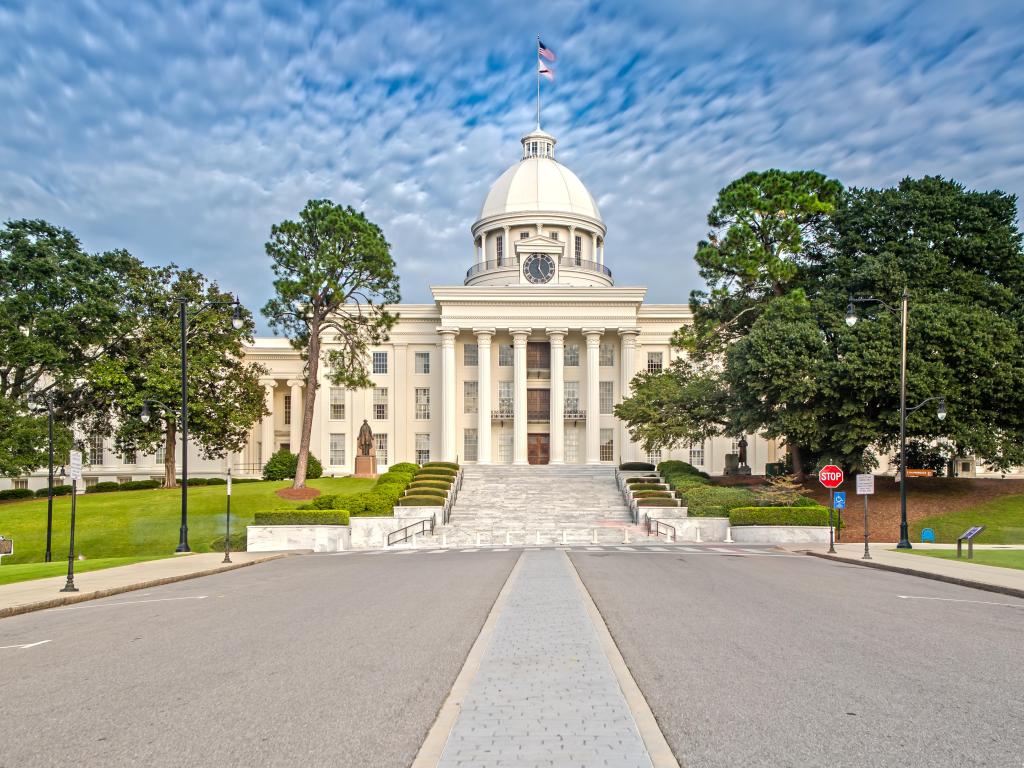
[(839, 500)]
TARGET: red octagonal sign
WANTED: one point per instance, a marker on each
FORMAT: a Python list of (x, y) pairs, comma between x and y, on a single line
[(831, 476)]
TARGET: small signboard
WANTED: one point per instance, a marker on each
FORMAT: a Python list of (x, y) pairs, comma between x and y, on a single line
[(229, 482), (75, 465), (839, 500), (831, 476), (920, 473), (6, 546), (865, 485)]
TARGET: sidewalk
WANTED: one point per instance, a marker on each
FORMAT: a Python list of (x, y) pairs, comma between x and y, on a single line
[(26, 596), (1007, 581)]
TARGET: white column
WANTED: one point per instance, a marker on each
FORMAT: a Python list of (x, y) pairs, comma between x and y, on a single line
[(295, 431), (519, 336), (593, 451), (593, 246), (448, 446), (483, 247), (627, 370), (570, 250), (557, 338), (483, 344), (267, 427), (510, 254), (398, 395)]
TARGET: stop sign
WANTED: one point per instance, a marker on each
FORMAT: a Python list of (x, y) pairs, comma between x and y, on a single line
[(831, 476)]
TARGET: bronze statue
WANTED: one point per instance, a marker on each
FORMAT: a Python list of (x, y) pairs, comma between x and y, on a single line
[(365, 440), (742, 445)]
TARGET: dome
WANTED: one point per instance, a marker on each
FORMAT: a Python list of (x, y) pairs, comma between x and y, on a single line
[(539, 184)]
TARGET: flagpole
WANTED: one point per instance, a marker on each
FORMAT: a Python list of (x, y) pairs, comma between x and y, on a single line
[(538, 82)]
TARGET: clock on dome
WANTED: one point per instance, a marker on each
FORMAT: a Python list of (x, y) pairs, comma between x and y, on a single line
[(538, 268)]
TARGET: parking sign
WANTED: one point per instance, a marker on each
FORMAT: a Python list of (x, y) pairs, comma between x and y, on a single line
[(839, 499)]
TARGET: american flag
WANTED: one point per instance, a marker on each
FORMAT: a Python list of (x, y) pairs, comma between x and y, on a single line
[(545, 70), (546, 53)]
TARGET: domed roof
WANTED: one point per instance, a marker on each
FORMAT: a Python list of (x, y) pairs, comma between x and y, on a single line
[(538, 183)]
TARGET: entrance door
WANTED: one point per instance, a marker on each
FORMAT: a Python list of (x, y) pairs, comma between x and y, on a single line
[(538, 449), (538, 404)]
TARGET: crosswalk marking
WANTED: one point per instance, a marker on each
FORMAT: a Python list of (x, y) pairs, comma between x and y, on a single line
[(596, 549), (657, 549), (640, 548)]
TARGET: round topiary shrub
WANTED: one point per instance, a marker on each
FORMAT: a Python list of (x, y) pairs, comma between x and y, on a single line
[(421, 501), (281, 466), (427, 492), (404, 466), (446, 464), (439, 484), (436, 472)]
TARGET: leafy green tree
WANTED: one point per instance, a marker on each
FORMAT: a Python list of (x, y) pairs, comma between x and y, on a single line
[(224, 393), (334, 279), (61, 311)]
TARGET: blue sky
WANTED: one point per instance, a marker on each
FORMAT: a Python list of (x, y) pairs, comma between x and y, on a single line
[(182, 131)]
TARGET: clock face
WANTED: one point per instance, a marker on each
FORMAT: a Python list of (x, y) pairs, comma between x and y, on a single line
[(539, 268)]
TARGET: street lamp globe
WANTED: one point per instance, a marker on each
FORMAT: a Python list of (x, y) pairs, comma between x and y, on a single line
[(851, 315), (236, 318), (144, 416), (941, 411)]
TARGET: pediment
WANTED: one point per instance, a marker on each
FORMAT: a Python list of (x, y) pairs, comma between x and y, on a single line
[(540, 244)]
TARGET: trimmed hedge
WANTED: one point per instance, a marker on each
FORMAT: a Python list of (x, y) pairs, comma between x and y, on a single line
[(442, 471), (427, 492), (706, 511), (393, 476), (443, 464), (108, 487), (805, 501), (406, 467), (648, 479), (17, 493), (657, 503), (639, 466), (653, 495), (646, 487), (420, 501), (300, 517), (65, 490), (779, 516), (713, 495), (439, 484), (133, 485), (326, 501)]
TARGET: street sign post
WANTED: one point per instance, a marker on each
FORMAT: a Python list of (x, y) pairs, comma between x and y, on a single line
[(831, 477), (76, 475), (865, 488)]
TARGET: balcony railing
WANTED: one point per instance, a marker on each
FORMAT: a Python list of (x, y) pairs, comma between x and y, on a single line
[(512, 262), (569, 413), (538, 373)]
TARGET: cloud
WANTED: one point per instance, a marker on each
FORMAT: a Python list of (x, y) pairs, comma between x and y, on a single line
[(183, 131)]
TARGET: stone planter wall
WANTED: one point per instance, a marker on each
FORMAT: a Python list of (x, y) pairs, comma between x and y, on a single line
[(711, 528), (372, 532), (281, 538), (780, 534)]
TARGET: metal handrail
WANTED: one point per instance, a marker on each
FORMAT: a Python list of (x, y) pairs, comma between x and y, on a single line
[(446, 512), (660, 528), (409, 533), (512, 262)]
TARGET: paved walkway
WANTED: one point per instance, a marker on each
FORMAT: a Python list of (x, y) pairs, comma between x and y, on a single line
[(960, 570), (545, 693), (23, 596)]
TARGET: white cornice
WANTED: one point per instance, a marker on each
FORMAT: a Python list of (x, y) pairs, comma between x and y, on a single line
[(537, 294)]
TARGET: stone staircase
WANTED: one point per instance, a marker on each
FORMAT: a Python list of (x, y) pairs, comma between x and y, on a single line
[(536, 505)]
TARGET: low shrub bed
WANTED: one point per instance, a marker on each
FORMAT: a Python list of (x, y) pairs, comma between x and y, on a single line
[(438, 484), (406, 467), (426, 492), (706, 511), (717, 496), (647, 479), (107, 487), (657, 503), (301, 517), (65, 490), (11, 494), (443, 464), (136, 485), (653, 495), (778, 516), (421, 501), (647, 487), (436, 472), (638, 466)]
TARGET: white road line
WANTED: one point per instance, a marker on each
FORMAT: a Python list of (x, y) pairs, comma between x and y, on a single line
[(626, 549), (437, 551), (722, 549), (467, 550), (26, 645), (957, 600), (129, 602), (500, 550), (595, 549), (689, 549), (752, 551), (656, 549)]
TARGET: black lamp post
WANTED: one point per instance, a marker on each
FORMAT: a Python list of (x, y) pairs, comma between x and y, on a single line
[(237, 323), (903, 311), (44, 398)]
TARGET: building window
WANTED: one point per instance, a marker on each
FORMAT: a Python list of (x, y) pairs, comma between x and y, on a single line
[(470, 396), (128, 458), (380, 403), (606, 354), (606, 397), (571, 358), (422, 403), (469, 444), (382, 448), (422, 362), (578, 245), (523, 235), (287, 410), (697, 454), (338, 403), (96, 449), (654, 362), (553, 235), (337, 449), (20, 484), (572, 446), (505, 355), (161, 455), (572, 397), (505, 446), (499, 249), (654, 457), (471, 355), (380, 362), (607, 445), (422, 447), (506, 398)]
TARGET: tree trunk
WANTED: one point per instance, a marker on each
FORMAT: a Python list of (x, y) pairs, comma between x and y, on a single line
[(170, 476), (798, 463), (312, 366)]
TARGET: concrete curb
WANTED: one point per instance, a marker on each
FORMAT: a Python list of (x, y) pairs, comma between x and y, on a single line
[(57, 602), (1009, 591)]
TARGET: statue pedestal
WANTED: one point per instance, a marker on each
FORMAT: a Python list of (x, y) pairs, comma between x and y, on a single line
[(366, 466)]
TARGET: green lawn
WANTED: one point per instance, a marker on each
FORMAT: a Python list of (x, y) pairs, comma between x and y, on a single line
[(1004, 558), (144, 523), (1003, 518), (27, 571)]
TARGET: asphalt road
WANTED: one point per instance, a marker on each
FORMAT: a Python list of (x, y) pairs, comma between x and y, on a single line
[(308, 661), (793, 661)]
